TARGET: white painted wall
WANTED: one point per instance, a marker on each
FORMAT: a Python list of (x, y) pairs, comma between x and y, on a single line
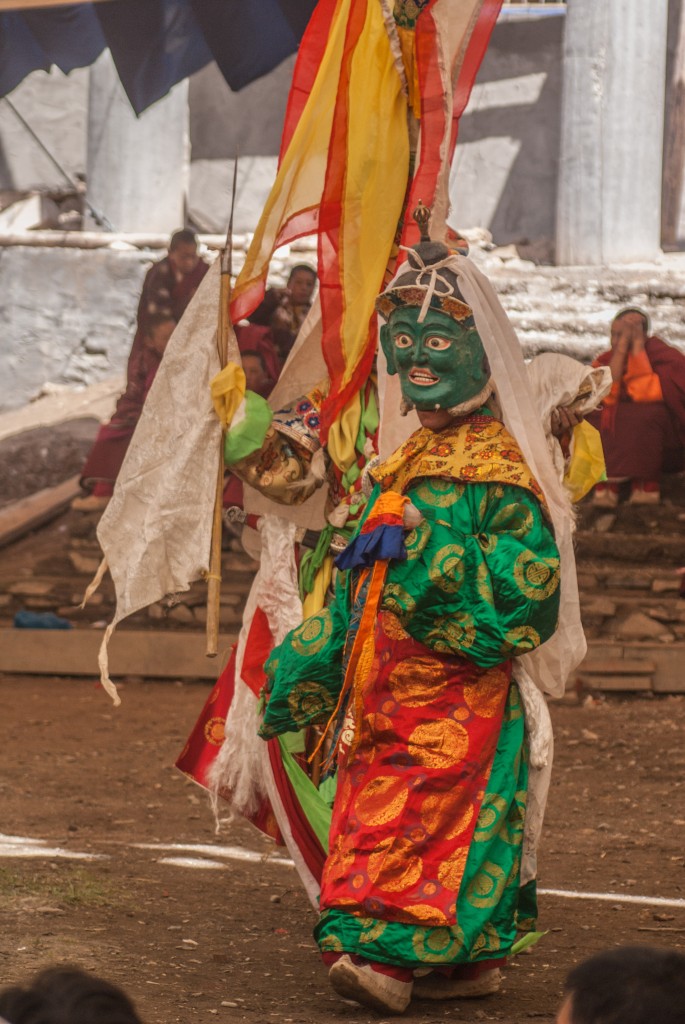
[(67, 316)]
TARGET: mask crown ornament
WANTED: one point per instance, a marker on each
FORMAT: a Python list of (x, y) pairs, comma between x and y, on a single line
[(430, 338)]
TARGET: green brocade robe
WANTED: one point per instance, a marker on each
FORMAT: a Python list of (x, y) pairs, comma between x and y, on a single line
[(479, 586)]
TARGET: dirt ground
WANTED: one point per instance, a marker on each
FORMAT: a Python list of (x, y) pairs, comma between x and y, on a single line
[(233, 942)]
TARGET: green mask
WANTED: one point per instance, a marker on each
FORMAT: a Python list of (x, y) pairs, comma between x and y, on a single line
[(440, 362)]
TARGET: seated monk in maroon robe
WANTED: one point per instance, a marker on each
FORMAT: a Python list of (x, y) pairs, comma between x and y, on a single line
[(167, 290), (642, 422), (104, 461)]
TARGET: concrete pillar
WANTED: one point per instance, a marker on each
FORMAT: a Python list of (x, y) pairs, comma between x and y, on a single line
[(609, 199), (138, 168)]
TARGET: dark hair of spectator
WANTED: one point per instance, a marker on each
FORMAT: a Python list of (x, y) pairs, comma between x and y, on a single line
[(183, 237), (629, 985), (67, 995), (302, 266)]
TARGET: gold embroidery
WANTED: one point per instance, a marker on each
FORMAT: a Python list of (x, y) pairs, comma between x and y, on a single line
[(483, 585), (381, 800), (520, 639), (536, 578), (309, 702), (312, 635), (483, 452), (394, 866), (453, 633), (398, 601), (487, 887), (486, 694), (440, 744), (446, 570), (417, 539), (418, 681), (437, 945)]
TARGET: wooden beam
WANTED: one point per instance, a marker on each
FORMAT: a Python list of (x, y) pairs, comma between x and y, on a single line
[(152, 653), (28, 513)]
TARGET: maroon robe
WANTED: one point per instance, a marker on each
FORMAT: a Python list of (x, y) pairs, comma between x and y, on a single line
[(642, 440), (164, 291)]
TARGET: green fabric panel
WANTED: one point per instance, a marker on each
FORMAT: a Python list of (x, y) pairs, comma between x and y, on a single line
[(481, 579), (248, 436), (527, 909), (482, 573), (488, 895), (311, 561), (315, 807), (305, 673)]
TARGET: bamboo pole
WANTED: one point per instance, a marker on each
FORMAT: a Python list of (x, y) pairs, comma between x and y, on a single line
[(223, 333)]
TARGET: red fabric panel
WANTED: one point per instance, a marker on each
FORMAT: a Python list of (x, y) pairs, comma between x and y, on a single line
[(303, 834), (205, 740), (310, 53), (259, 646)]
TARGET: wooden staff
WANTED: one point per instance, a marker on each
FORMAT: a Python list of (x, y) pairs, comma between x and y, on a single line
[(224, 329)]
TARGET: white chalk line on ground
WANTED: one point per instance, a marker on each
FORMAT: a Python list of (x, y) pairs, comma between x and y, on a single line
[(21, 846), (228, 852), (613, 897)]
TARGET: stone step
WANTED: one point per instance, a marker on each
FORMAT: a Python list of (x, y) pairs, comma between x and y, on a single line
[(657, 668), (632, 548)]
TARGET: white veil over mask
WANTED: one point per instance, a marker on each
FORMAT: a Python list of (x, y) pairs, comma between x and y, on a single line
[(551, 664)]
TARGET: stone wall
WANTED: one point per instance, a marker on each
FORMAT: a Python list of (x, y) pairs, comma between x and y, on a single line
[(68, 315)]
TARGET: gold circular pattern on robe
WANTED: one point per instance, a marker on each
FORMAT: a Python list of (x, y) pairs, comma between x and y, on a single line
[(357, 881), (453, 633), (214, 731), (394, 866), (450, 812), (439, 745), (377, 724), (398, 601), (486, 889), (446, 570), (427, 915), (492, 812), (515, 519), (415, 682), (340, 858), (451, 871), (392, 627), (371, 929), (461, 714), (308, 702), (437, 945), (485, 695), (520, 639), (483, 584), (439, 491), (416, 540), (536, 578), (381, 800), (312, 635), (331, 944), (487, 941)]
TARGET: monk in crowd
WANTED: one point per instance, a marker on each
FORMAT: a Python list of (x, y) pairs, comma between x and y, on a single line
[(642, 421), (167, 290), (284, 309)]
